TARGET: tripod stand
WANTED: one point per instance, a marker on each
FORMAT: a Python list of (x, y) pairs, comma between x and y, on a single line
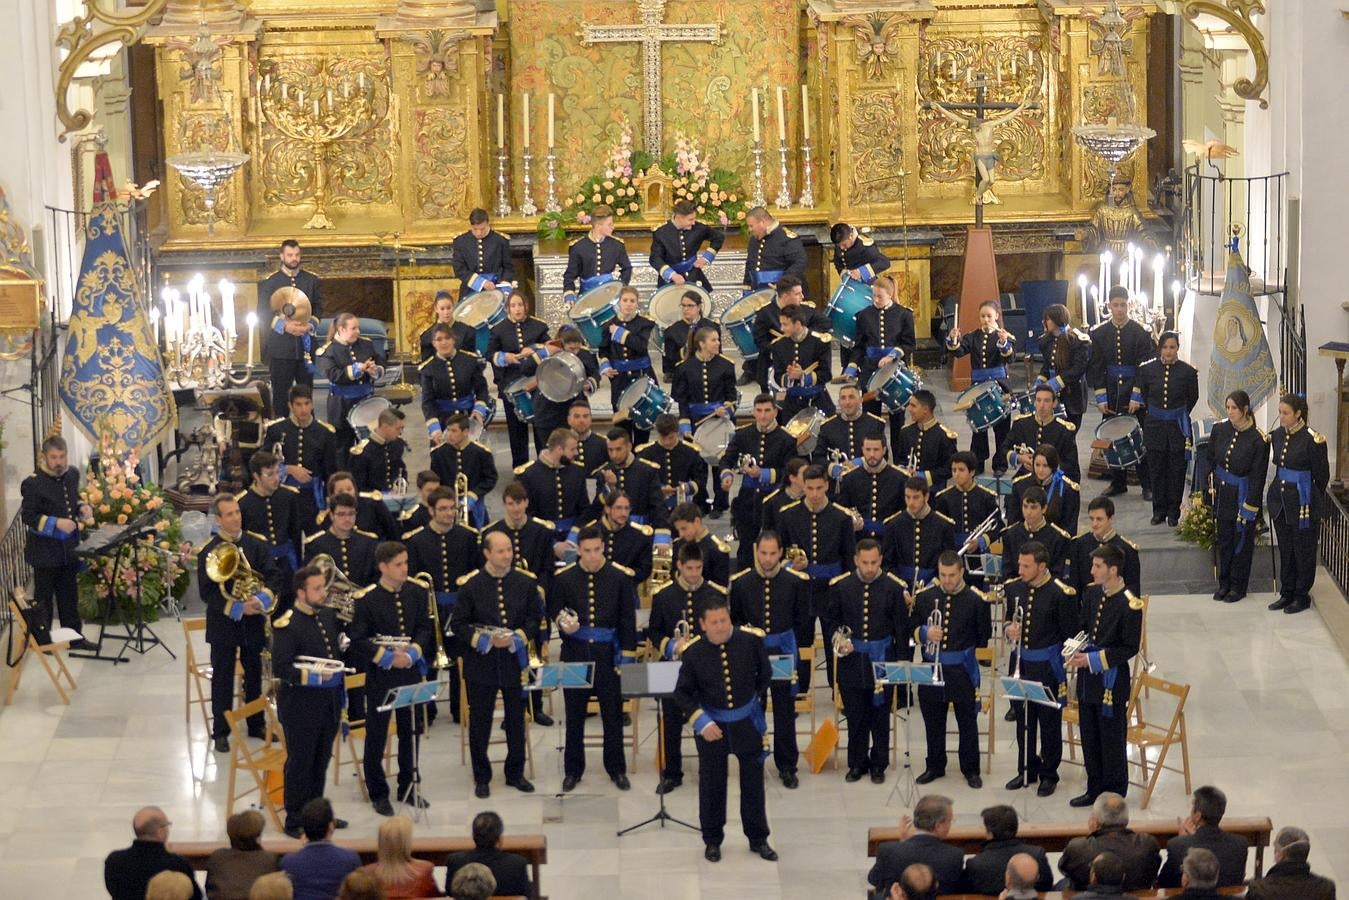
[(413, 697), (906, 675), (653, 680)]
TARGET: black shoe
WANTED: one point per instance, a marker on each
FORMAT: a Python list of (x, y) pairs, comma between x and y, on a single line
[(854, 775), (80, 644), (744, 379), (1015, 784), (1220, 594), (1301, 604), (1082, 800), (521, 784), (878, 776), (716, 514), (413, 799), (569, 784), (974, 781), (764, 851), (1275, 606), (1173, 521), (294, 831), (542, 718), (1157, 520), (482, 790), (341, 823), (1234, 596), (1114, 490), (1147, 495), (222, 745), (382, 806), (929, 776), (669, 784), (1010, 715), (258, 734), (712, 853), (1046, 788), (790, 781), (621, 782)]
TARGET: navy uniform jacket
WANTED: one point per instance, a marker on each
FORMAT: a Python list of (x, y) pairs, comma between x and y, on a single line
[(306, 633), (674, 603), (911, 546), (1241, 454), (452, 385), (1077, 572), (698, 386), (767, 327), (1060, 434), (282, 345), (640, 479), (863, 255), (716, 557), (1116, 354), (340, 364), (405, 612), (509, 336), (588, 258), (376, 464), (1049, 617), (874, 611), (592, 451), (771, 449), (313, 446), (556, 493), (627, 350), (417, 517), (933, 445), (988, 358), (466, 338), (276, 518), (827, 537), (674, 343), (445, 556), (532, 544), (839, 433), (248, 632), (966, 619), (1160, 386), (1302, 451), (812, 353), (875, 496), (354, 555), (777, 253), (477, 260), (967, 508), (549, 415), (513, 601), (1068, 496), (602, 599), (629, 546), (372, 516), (1114, 627), (880, 332), (773, 603), (1070, 382), (474, 459), (46, 498), (1056, 541), (725, 677), (773, 504), (674, 250), (682, 464)]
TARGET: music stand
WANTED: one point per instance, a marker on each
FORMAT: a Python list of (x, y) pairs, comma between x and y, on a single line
[(908, 674), (784, 669), (1030, 692), (653, 679), (412, 696), (120, 545), (567, 676)]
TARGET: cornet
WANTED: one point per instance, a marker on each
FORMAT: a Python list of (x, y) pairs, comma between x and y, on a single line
[(972, 542), (496, 632), (933, 648), (394, 642), (1071, 648), (682, 631), (567, 617), (321, 666), (842, 640), (911, 464)]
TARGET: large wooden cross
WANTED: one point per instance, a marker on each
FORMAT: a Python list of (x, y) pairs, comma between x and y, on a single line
[(651, 32)]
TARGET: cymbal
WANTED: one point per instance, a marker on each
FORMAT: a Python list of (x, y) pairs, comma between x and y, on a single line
[(295, 297)]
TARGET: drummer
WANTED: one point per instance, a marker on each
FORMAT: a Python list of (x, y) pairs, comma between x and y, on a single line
[(885, 333), (774, 253), (1034, 429), (680, 462), (465, 334), (458, 454), (517, 338), (990, 350), (926, 443), (704, 386), (625, 351), (1063, 497), (802, 365), (856, 256), (842, 434), (593, 259), (1119, 345), (352, 366), (677, 341), (791, 292), (874, 488), (482, 258), (452, 382), (289, 349), (548, 414)]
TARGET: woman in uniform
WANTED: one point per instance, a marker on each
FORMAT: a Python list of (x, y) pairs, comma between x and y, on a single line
[(1296, 500), (1238, 461)]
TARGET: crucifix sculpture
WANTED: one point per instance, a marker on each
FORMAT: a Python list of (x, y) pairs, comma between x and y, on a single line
[(651, 33), (985, 149)]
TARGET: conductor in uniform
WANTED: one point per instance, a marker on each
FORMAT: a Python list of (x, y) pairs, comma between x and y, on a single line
[(289, 348), (51, 511), (593, 258), (676, 248), (481, 258), (724, 673)]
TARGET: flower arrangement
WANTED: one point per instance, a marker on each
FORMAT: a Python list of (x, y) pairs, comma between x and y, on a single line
[(1197, 523), (715, 192)]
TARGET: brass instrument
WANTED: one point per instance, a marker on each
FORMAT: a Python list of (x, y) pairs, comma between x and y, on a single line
[(462, 499), (227, 564), (662, 567), (321, 666), (681, 493), (972, 542), (496, 632), (911, 464), (933, 648), (796, 554), (340, 590), (399, 487), (839, 457), (566, 618), (394, 642), (1071, 648), (842, 640), (442, 660), (682, 632), (1016, 648)]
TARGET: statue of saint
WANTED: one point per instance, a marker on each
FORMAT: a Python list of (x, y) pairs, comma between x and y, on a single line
[(1116, 222)]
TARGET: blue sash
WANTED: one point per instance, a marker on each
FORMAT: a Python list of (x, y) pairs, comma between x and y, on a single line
[(1056, 486), (992, 373), (824, 570), (813, 390), (873, 526), (595, 281), (599, 636), (1121, 371), (875, 652), (683, 268), (1242, 484), (702, 410), (753, 710), (1108, 678), (783, 643), (1053, 654), (875, 353), (562, 526), (624, 366), (351, 391), (286, 552), (1179, 416), (463, 404), (447, 599), (315, 487), (764, 277), (965, 659), (1303, 479)]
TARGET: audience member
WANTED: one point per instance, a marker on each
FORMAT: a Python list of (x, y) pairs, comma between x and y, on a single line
[(231, 871), (1290, 878), (275, 886), (510, 872), (1200, 829), (986, 872), (923, 840), (127, 873), (1109, 824), (916, 883), (1199, 875), (1020, 878), (1105, 879), (317, 869), (361, 885), (169, 885), (473, 881), (398, 873)]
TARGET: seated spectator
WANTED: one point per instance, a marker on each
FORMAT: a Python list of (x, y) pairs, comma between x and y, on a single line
[(1200, 829), (1109, 824), (316, 870), (1105, 879), (922, 840), (510, 871), (398, 873), (361, 885), (1020, 878), (473, 881), (170, 886), (1290, 878), (1199, 875), (275, 886), (986, 872), (127, 873), (231, 871), (915, 883)]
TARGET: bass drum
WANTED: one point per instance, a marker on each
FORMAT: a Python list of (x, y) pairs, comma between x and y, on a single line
[(481, 311), (365, 414), (713, 437)]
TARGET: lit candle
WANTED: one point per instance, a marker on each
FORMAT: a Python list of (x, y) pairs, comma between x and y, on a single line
[(154, 323), (782, 114), (252, 334), (1175, 295), (1106, 259), (953, 68), (316, 107), (501, 121), (805, 114), (550, 122), (526, 110), (330, 97), (1158, 269), (1128, 279), (754, 114), (267, 83)]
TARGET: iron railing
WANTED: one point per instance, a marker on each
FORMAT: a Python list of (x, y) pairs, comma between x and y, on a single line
[(1334, 541), (1214, 204), (1292, 346), (14, 570)]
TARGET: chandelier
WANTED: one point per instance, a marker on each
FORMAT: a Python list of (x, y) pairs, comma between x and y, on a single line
[(1115, 140)]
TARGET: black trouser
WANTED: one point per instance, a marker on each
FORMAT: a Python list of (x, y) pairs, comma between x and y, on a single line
[(1103, 749), (785, 752), (713, 768), (868, 727), (482, 701), (979, 444), (606, 691), (517, 430), (308, 750), (1048, 722), (672, 721), (222, 684), (1234, 566), (1297, 558), (285, 374), (720, 499), (1119, 478), (1166, 466), (745, 523), (805, 633), (344, 434), (960, 693), (377, 735), (58, 584)]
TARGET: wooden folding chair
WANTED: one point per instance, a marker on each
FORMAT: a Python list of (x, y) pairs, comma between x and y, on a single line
[(197, 675), (1072, 719), (46, 653), (266, 765), (1156, 735), (491, 741), (354, 741)]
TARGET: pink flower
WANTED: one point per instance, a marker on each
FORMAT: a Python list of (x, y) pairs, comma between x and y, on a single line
[(722, 218)]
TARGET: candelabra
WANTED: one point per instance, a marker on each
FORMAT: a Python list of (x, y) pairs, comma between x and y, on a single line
[(807, 197), (784, 198), (503, 198), (551, 204), (527, 207), (758, 198), (198, 350)]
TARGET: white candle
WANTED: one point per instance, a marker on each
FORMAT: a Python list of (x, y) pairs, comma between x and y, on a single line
[(754, 114), (1125, 274), (316, 107), (330, 96), (526, 132), (782, 115), (154, 323), (1106, 259), (252, 334), (1082, 297), (805, 114), (501, 121), (299, 96), (1014, 70), (1175, 296), (550, 122)]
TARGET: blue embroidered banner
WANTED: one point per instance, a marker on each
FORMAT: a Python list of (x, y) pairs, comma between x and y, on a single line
[(1240, 358)]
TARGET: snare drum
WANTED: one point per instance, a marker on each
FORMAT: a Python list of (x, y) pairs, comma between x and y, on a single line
[(1124, 437), (849, 299), (663, 307), (1025, 403), (893, 385), (805, 427), (363, 415), (984, 405), (713, 437), (561, 376), (481, 311), (476, 428), (738, 320), (596, 308), (643, 401), (521, 393)]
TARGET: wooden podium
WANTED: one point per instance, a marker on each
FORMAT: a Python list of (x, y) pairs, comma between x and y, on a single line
[(978, 282)]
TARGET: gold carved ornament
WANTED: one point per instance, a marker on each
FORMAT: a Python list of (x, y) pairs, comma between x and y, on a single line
[(877, 40), (1239, 16), (877, 163), (441, 167)]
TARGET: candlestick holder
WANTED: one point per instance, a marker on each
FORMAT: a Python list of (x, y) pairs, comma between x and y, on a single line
[(503, 198), (550, 203), (784, 198), (758, 197), (527, 207), (807, 178)]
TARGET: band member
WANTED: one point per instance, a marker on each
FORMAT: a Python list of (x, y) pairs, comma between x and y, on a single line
[(673, 624), (377, 462), (289, 348), (1168, 388), (868, 610), (952, 620), (791, 491), (600, 627), (774, 251), (1112, 619), (459, 455), (683, 472), (966, 502), (687, 521), (1296, 500), (517, 339), (351, 550), (841, 434), (1042, 615), (548, 414), (51, 512), (704, 386), (791, 291), (724, 673), (636, 477), (272, 510), (1119, 345), (465, 335), (419, 515), (372, 515), (496, 625), (596, 258), (1238, 463), (1063, 496), (308, 449), (1066, 353), (856, 255), (310, 699), (926, 445), (802, 366), (234, 620), (1035, 527), (625, 542), (775, 599), (917, 536), (482, 257), (1040, 427), (452, 381), (678, 341), (676, 252), (393, 630), (990, 350), (625, 351), (556, 484), (592, 450), (885, 333), (1101, 531), (759, 451), (352, 366), (874, 489)]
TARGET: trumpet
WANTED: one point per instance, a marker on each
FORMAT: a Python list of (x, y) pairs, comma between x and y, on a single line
[(1016, 648), (464, 503), (986, 526), (567, 617), (394, 642), (399, 487), (340, 590), (442, 659), (1071, 648), (681, 493), (911, 464), (496, 632), (747, 461), (321, 666), (842, 640), (838, 457), (933, 648), (796, 554), (682, 632)]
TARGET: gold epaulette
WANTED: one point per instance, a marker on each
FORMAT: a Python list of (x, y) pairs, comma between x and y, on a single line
[(865, 241), (1069, 425), (241, 495), (653, 465), (327, 425), (372, 495), (949, 520), (1317, 437), (311, 537), (643, 528), (258, 536), (322, 349), (1129, 542), (413, 532), (423, 364), (482, 445), (1023, 476), (1135, 603), (624, 569), (897, 580), (1060, 530), (359, 448), (720, 544), (463, 579), (520, 469), (365, 590), (787, 231), (695, 639), (644, 446), (716, 587), (550, 525), (567, 568), (757, 632), (742, 572), (1067, 589), (290, 487), (797, 572), (369, 534), (1073, 484), (950, 432), (270, 422), (836, 578), (282, 620), (789, 506)]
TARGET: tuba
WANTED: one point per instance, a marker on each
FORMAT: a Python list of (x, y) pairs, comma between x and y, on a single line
[(442, 660), (339, 589)]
